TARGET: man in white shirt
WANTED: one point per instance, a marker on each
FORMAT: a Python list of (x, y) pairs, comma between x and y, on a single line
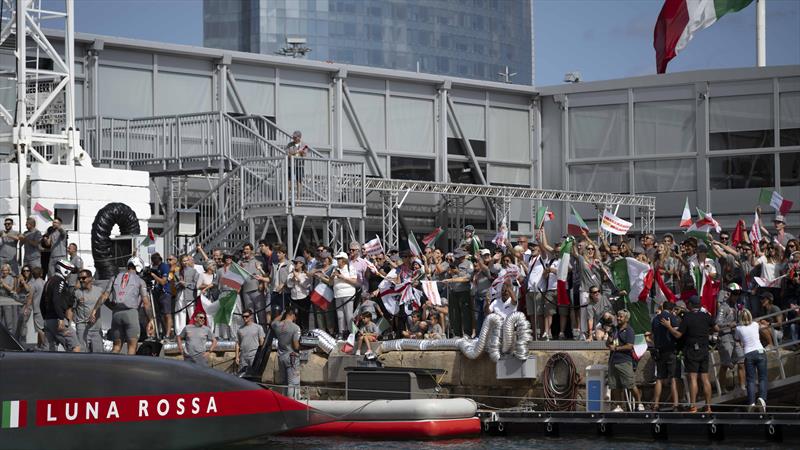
[(542, 295)]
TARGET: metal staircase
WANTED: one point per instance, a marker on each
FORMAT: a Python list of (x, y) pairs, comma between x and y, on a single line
[(246, 168)]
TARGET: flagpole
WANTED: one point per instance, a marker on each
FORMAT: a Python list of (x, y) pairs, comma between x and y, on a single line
[(761, 33)]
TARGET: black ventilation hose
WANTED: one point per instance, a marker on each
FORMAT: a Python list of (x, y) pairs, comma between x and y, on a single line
[(560, 381), (112, 214)]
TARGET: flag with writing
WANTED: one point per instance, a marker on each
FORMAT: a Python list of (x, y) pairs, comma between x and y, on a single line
[(543, 214), (614, 224), (576, 225), (432, 237), (686, 217), (44, 212), (227, 304), (322, 296), (415, 249), (373, 247), (776, 200)]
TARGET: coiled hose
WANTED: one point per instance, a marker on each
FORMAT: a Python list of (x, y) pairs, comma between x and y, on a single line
[(560, 381)]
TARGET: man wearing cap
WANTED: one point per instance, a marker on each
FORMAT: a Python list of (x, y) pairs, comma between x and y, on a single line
[(696, 326), (56, 307), (196, 335), (470, 241), (344, 293), (296, 150), (781, 235), (485, 271), (458, 282), (730, 352)]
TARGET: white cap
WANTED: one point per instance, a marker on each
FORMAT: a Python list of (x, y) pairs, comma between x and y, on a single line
[(341, 255)]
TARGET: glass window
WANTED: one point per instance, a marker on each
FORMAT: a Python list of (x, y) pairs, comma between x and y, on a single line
[(598, 131), (742, 172), (463, 172), (664, 127), (413, 168), (600, 178), (744, 121), (509, 134), (790, 118), (410, 125), (472, 121), (672, 175), (790, 169)]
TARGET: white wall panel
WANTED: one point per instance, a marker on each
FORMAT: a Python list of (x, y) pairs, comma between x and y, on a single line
[(410, 125), (371, 114), (472, 119), (125, 92), (509, 135), (180, 93), (305, 109)]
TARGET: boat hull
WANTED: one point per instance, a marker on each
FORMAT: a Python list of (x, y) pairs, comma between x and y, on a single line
[(395, 429)]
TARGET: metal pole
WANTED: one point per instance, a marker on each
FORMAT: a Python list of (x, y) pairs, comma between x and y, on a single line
[(761, 33)]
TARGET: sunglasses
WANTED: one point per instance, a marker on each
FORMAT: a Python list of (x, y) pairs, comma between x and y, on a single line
[(83, 278), (590, 248), (200, 318), (594, 292)]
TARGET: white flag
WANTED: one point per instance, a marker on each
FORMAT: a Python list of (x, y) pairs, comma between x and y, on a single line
[(614, 224)]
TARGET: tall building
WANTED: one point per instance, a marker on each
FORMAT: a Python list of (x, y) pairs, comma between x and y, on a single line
[(462, 38)]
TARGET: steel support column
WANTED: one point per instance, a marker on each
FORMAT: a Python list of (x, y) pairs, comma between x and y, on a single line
[(390, 222)]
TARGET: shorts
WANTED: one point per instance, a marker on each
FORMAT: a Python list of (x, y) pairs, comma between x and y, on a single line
[(620, 375), (730, 352), (298, 171), (125, 322), (165, 304), (541, 304), (696, 361), (67, 338), (666, 365), (372, 338)]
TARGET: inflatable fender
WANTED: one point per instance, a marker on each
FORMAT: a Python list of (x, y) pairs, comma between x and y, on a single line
[(108, 216)]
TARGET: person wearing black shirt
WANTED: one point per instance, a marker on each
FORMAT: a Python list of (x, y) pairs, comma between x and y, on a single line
[(663, 353), (620, 360), (695, 329)]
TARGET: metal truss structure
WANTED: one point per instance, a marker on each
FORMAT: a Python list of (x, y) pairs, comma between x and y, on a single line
[(501, 196)]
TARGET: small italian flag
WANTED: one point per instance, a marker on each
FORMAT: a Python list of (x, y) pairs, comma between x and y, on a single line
[(14, 413), (576, 225), (639, 346), (431, 237), (543, 215), (686, 217), (776, 200), (679, 20), (563, 271)]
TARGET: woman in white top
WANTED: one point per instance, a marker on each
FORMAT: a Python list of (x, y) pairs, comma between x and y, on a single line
[(344, 289), (755, 360), (300, 285)]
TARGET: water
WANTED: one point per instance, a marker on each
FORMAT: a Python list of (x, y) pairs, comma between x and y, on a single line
[(482, 443)]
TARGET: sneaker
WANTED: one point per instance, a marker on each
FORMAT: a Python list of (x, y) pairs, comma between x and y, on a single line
[(576, 335), (358, 352), (617, 409), (583, 336), (751, 408), (561, 336), (762, 405), (547, 337), (640, 407)]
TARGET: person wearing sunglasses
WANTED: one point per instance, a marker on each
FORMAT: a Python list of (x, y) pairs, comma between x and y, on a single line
[(249, 339), (196, 335), (88, 326)]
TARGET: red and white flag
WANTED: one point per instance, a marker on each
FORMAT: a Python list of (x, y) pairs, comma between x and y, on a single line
[(755, 231), (614, 224), (432, 292)]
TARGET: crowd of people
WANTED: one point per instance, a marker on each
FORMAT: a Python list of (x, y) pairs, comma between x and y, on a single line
[(379, 295)]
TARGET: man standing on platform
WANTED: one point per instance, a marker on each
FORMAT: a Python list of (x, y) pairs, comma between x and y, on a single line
[(620, 361), (288, 335), (458, 282)]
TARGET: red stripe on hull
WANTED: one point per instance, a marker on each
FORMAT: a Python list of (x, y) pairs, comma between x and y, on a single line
[(412, 429)]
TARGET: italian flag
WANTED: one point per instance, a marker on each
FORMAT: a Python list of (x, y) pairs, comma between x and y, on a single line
[(44, 212), (14, 413), (431, 237), (543, 215), (227, 304), (322, 296), (415, 249), (776, 200), (576, 225), (686, 217), (639, 346), (563, 271), (235, 276), (679, 20), (629, 275), (350, 344)]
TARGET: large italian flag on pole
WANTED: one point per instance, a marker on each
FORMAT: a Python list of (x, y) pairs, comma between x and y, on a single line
[(679, 20), (14, 413), (563, 271)]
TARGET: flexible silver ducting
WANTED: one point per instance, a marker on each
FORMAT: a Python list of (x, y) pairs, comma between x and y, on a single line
[(513, 332), (326, 342), (171, 348)]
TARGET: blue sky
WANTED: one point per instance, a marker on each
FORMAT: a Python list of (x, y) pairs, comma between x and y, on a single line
[(602, 39)]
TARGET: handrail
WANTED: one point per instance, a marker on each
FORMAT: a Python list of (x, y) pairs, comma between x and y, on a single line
[(257, 117)]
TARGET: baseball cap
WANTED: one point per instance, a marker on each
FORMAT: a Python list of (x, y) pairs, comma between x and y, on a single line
[(341, 255), (779, 218), (485, 251), (300, 259)]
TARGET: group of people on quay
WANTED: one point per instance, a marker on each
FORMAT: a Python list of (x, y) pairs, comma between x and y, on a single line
[(739, 290)]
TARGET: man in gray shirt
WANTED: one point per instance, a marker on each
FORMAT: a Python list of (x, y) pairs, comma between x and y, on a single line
[(75, 260), (8, 245), (196, 335), (56, 239), (248, 340), (31, 240), (288, 335), (88, 327), (34, 303), (458, 280), (127, 292), (249, 292)]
